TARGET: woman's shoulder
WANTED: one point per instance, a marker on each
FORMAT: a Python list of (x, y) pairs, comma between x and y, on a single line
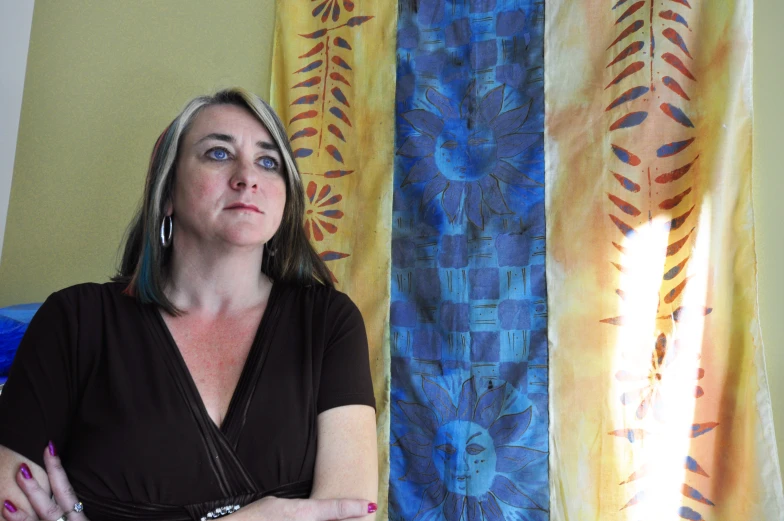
[(321, 306), (89, 301), (87, 293), (318, 294), (91, 316), (79, 316)]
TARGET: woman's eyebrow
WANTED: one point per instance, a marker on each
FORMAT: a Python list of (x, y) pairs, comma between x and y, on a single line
[(220, 137), (267, 145), (228, 138)]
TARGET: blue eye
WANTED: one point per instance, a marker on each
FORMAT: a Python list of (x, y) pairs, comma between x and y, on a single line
[(218, 154), (268, 163)]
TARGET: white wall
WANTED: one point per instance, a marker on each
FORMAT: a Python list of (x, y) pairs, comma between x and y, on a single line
[(16, 18)]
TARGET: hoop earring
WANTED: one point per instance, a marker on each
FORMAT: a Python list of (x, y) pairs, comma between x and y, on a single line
[(166, 237)]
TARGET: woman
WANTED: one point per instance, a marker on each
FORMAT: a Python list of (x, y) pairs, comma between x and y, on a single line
[(219, 370)]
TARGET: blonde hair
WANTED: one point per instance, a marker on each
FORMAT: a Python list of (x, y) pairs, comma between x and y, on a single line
[(288, 255)]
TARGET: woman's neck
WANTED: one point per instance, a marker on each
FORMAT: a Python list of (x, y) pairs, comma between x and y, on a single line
[(223, 282)]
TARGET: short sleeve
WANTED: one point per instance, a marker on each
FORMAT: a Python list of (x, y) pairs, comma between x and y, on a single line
[(37, 400), (345, 370)]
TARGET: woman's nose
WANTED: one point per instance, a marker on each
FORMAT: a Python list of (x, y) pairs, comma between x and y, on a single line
[(244, 175)]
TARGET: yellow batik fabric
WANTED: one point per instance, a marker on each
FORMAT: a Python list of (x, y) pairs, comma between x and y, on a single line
[(333, 85), (659, 401)]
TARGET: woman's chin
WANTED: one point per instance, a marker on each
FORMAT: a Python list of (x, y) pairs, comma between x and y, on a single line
[(244, 236)]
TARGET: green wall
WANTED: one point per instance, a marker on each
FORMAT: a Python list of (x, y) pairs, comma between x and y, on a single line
[(103, 79), (768, 189)]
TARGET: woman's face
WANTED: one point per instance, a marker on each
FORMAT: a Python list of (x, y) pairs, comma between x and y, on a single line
[(228, 187)]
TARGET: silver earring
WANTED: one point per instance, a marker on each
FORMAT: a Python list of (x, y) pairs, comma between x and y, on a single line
[(166, 231)]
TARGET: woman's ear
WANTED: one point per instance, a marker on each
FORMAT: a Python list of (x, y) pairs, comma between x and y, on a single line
[(168, 208)]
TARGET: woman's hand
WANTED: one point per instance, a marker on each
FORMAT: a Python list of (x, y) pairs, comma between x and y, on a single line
[(45, 508), (277, 509)]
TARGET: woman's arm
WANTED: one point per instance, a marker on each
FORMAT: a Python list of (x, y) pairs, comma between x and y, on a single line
[(268, 509), (346, 467), (346, 460)]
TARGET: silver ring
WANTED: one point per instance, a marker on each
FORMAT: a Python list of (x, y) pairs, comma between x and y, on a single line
[(78, 507)]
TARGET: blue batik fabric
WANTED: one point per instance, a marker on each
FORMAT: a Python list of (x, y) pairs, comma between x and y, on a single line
[(468, 318)]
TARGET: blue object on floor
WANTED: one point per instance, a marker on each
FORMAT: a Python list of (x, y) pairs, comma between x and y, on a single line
[(13, 324)]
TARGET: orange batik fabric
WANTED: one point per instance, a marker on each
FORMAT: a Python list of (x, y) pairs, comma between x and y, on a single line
[(659, 398), (333, 85)]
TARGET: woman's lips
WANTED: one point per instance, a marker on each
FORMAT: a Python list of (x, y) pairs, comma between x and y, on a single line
[(243, 206)]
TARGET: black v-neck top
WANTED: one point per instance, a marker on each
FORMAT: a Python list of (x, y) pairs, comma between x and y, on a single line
[(99, 374)]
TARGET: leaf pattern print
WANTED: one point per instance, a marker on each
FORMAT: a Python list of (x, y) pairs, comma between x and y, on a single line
[(332, 54), (325, 7), (321, 131), (654, 184)]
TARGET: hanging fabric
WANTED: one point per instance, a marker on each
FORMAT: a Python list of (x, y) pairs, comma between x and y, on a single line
[(469, 312), (333, 84), (660, 403)]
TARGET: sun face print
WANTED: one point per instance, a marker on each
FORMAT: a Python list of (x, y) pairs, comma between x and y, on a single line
[(466, 152), (468, 457)]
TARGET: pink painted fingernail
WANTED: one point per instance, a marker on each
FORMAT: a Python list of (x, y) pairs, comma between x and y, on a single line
[(26, 471), (372, 507), (52, 450), (9, 506)]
